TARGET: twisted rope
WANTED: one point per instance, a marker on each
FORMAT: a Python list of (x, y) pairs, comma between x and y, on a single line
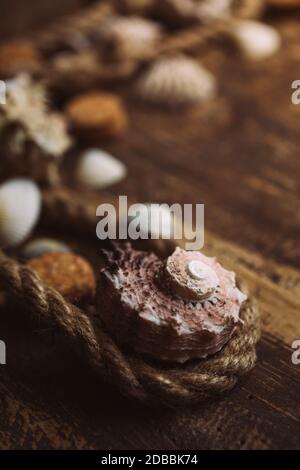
[(132, 375)]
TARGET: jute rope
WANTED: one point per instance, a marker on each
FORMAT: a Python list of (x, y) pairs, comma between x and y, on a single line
[(132, 375)]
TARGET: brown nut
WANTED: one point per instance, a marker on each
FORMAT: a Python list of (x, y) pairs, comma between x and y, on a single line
[(71, 275), (284, 3), (18, 55), (97, 115)]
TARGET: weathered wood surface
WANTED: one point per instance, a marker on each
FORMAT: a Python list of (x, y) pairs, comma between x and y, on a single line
[(239, 156), (31, 14)]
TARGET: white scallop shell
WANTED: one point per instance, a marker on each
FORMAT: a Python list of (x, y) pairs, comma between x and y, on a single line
[(42, 246), (257, 40), (98, 169), (176, 80), (20, 204)]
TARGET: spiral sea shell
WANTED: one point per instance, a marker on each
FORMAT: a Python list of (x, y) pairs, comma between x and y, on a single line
[(176, 80), (20, 204), (183, 308)]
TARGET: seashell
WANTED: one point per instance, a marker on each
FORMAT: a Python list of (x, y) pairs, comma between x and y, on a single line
[(71, 275), (26, 105), (131, 37), (20, 204), (42, 246), (183, 308), (284, 3), (98, 169), (176, 80), (177, 13), (248, 9), (257, 40), (155, 220)]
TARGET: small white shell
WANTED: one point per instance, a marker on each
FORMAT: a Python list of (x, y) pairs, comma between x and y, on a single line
[(257, 40), (98, 169), (155, 220), (177, 80), (20, 204)]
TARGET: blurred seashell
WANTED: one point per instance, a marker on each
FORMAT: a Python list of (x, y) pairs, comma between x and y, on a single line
[(177, 12), (20, 204), (164, 311), (284, 3), (139, 7), (99, 169), (131, 37), (257, 40), (24, 99), (176, 80), (42, 246), (75, 63), (154, 220)]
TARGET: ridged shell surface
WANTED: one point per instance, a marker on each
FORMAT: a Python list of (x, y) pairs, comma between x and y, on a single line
[(257, 40), (177, 80)]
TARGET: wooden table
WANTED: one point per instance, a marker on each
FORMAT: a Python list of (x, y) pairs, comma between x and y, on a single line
[(240, 157)]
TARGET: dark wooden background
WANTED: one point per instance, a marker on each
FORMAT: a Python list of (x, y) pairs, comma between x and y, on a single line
[(239, 156), (19, 17)]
